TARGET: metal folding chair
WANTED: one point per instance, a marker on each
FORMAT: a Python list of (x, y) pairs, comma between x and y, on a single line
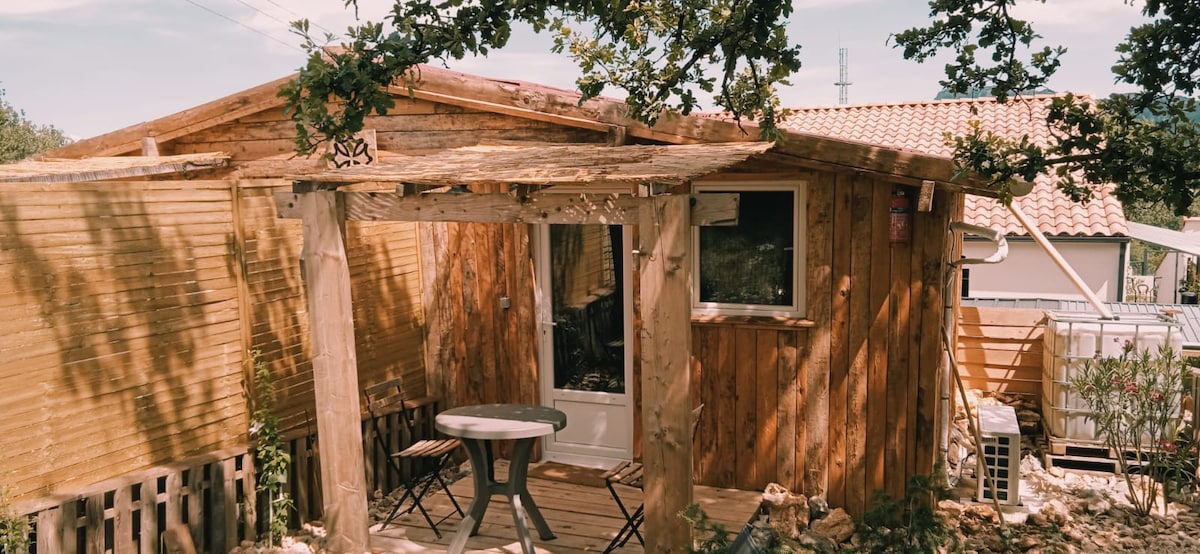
[(629, 474), (428, 458)]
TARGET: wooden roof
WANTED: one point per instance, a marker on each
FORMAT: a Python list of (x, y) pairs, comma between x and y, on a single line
[(98, 169), (550, 165), (560, 107)]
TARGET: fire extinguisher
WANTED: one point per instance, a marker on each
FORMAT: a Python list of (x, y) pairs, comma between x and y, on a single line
[(901, 218)]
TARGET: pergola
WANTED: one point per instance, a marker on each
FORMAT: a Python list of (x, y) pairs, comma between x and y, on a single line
[(437, 188)]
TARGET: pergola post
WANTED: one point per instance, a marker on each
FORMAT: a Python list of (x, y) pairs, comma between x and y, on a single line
[(666, 267), (326, 274)]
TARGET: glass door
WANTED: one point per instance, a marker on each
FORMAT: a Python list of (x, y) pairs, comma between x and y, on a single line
[(585, 340)]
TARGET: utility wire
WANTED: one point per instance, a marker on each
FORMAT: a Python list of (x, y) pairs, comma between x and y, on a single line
[(255, 29), (297, 16), (255, 8)]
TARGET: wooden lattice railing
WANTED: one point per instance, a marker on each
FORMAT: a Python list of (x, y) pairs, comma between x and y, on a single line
[(212, 495), (129, 514)]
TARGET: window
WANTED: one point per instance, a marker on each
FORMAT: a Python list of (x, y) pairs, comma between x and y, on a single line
[(755, 267)]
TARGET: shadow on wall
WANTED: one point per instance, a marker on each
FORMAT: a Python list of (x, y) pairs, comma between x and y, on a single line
[(385, 286), (124, 349)]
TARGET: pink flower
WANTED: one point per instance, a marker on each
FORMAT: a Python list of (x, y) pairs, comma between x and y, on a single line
[(1168, 446), (1131, 388), (1156, 396)]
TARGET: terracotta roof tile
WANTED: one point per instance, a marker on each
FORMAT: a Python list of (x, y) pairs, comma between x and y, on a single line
[(922, 126)]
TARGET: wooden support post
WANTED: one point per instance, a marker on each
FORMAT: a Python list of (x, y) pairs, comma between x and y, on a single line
[(665, 266), (335, 371)]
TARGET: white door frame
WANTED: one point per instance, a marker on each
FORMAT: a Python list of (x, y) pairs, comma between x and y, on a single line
[(620, 405)]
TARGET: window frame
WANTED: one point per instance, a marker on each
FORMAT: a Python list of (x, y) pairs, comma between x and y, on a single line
[(798, 308)]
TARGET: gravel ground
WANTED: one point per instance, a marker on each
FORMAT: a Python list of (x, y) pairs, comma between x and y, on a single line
[(1068, 512)]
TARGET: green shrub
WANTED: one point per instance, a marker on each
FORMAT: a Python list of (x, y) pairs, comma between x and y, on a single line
[(908, 525), (14, 528), (271, 456), (1134, 399)]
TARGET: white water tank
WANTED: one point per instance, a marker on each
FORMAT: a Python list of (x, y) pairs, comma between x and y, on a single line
[(1072, 339)]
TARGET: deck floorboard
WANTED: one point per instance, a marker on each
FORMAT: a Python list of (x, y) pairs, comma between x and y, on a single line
[(584, 518)]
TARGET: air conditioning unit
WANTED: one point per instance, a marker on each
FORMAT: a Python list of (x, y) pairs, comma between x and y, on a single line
[(1000, 461)]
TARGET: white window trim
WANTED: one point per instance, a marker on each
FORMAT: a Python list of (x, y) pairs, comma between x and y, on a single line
[(799, 273)]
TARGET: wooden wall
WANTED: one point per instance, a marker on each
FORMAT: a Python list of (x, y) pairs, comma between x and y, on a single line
[(844, 402), (132, 306), (841, 403), (413, 126), (1000, 349), (478, 351)]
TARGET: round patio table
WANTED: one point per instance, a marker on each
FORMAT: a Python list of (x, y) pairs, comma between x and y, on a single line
[(477, 426)]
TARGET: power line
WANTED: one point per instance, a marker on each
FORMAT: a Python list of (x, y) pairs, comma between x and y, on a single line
[(255, 29), (298, 16), (255, 8)]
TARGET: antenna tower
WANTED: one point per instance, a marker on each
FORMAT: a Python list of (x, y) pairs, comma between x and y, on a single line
[(843, 83)]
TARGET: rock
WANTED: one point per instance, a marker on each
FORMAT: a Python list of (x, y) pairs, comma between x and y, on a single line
[(1056, 471), (818, 508), (1036, 520), (950, 508), (815, 542), (1028, 542), (1056, 512), (788, 511), (1098, 505), (837, 526), (981, 512)]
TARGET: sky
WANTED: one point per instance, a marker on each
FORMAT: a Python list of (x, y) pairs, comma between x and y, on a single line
[(89, 67)]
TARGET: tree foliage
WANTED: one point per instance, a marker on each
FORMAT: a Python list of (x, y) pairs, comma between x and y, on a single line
[(21, 138), (1144, 142), (662, 53)]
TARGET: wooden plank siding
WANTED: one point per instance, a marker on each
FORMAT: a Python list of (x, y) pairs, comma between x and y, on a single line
[(132, 306), (385, 282), (121, 343), (482, 352), (414, 127), (1000, 349), (873, 339)]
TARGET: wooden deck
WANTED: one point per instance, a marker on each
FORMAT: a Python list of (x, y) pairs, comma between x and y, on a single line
[(583, 517)]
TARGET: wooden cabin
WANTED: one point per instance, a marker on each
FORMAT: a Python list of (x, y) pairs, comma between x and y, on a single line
[(815, 326)]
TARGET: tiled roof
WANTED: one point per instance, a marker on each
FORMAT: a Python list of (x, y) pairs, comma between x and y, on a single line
[(922, 126)]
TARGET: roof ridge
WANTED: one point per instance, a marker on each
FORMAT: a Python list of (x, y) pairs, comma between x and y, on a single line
[(944, 101)]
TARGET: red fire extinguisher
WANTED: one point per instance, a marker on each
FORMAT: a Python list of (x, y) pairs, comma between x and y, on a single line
[(900, 218)]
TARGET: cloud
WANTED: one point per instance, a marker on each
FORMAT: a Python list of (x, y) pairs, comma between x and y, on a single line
[(43, 7), (1079, 15)]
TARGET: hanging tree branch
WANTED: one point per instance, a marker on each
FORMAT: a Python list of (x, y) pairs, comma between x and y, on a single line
[(657, 51), (1145, 143)]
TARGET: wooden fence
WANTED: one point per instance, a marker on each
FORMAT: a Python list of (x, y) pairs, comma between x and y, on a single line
[(1000, 349), (211, 495), (130, 308)]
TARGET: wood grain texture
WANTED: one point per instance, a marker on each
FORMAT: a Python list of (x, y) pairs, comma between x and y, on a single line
[(335, 377), (817, 362), (666, 374), (862, 314), (839, 330)]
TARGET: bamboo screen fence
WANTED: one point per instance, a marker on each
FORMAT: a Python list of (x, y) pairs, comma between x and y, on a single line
[(130, 308)]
